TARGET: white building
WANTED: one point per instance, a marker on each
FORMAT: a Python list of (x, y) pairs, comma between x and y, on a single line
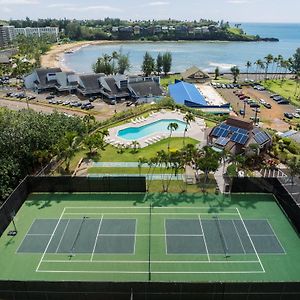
[(7, 34), (38, 31)]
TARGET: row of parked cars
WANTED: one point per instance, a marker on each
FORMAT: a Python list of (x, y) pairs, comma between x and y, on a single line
[(4, 80), (84, 105), (20, 95), (226, 85), (279, 99), (296, 114)]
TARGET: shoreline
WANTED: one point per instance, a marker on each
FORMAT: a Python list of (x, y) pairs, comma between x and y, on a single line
[(54, 57)]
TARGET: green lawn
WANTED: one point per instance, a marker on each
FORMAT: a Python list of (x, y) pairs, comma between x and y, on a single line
[(150, 252), (165, 81), (285, 88), (111, 154), (120, 170)]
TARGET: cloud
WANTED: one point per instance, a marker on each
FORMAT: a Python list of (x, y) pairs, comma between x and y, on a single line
[(7, 10), (237, 1), (19, 2), (158, 3), (92, 7), (58, 5)]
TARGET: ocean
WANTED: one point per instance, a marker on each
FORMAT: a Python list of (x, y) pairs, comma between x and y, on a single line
[(204, 54)]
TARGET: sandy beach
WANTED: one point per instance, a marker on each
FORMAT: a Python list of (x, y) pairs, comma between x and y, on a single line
[(54, 57)]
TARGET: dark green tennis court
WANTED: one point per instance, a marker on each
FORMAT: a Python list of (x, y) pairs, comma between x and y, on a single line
[(122, 237)]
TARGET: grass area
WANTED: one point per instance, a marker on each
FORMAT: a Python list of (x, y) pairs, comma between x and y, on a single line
[(210, 124), (222, 80), (166, 80), (120, 170), (285, 88), (108, 266)]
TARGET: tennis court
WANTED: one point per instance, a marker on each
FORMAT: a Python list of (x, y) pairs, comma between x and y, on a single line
[(148, 237)]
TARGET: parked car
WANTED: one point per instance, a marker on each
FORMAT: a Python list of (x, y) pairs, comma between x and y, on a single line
[(297, 110), (50, 97), (31, 97), (59, 102), (296, 115), (283, 101), (254, 104), (93, 98), (267, 105), (288, 115), (274, 95), (242, 112), (67, 102)]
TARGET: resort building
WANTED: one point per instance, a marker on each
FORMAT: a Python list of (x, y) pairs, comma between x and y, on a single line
[(236, 135), (7, 34), (117, 87), (194, 74), (187, 94), (38, 31)]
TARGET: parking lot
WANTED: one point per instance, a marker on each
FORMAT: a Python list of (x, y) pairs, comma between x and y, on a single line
[(16, 99), (272, 117)]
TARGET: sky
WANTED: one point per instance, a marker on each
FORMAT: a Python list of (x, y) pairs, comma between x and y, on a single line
[(270, 11)]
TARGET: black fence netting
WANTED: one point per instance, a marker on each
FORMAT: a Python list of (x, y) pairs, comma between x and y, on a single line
[(67, 184), (147, 290), (275, 186)]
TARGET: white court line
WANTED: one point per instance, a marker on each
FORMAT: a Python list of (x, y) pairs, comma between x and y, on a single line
[(204, 239), (147, 213), (166, 242), (141, 234), (238, 236), (276, 236), (29, 234), (96, 238), (25, 235), (62, 236), (37, 268), (251, 240), (136, 220), (153, 272), (155, 261)]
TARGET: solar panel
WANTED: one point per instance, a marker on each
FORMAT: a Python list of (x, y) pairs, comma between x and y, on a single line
[(243, 131), (239, 138), (261, 137), (244, 139), (225, 126), (256, 130), (222, 141)]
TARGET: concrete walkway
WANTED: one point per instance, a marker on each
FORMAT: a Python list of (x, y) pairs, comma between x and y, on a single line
[(220, 178)]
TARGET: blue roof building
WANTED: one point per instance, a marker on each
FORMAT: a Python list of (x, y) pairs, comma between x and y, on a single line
[(187, 94)]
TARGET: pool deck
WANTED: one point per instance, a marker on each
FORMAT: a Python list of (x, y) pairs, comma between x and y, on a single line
[(195, 131)]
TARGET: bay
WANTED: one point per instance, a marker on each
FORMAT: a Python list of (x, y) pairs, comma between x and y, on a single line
[(204, 54)]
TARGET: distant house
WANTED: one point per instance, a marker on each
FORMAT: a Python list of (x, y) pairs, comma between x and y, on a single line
[(236, 135), (89, 84), (194, 74), (114, 87), (145, 89), (42, 79)]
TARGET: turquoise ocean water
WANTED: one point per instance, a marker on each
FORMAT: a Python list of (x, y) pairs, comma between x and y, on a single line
[(206, 55)]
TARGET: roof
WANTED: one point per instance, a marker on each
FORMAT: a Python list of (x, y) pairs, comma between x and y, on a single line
[(42, 76), (241, 123), (194, 72), (4, 59), (90, 83), (114, 90), (186, 93), (146, 88)]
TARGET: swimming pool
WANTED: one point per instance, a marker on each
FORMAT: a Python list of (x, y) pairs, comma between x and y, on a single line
[(158, 127)]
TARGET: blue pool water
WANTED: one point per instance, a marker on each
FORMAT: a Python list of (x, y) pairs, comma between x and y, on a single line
[(158, 127)]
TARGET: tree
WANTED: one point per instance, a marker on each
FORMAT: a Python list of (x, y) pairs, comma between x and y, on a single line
[(207, 161), (123, 63), (93, 141), (141, 162), (268, 60), (159, 64), (135, 145), (104, 65), (294, 167), (248, 66), (167, 62), (89, 120), (148, 64), (217, 73), (296, 61), (188, 118), (172, 127), (235, 72)]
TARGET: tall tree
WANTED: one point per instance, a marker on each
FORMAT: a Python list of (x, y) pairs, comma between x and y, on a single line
[(188, 118), (296, 61), (268, 60), (217, 73), (159, 64), (248, 66), (172, 127), (167, 62), (148, 65), (235, 72)]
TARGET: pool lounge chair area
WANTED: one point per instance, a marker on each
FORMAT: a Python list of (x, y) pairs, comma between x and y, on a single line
[(196, 130)]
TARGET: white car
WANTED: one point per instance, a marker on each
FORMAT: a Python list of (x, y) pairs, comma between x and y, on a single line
[(296, 115)]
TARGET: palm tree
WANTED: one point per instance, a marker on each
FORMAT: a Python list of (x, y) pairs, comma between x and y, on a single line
[(217, 73), (268, 59), (257, 63), (162, 161), (235, 72), (141, 162), (294, 168), (172, 127), (248, 66), (279, 58), (188, 118), (135, 145)]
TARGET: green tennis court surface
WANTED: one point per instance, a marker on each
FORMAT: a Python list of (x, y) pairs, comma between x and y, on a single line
[(139, 237)]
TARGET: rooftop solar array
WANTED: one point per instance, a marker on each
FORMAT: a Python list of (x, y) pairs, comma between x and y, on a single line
[(261, 137), (238, 135)]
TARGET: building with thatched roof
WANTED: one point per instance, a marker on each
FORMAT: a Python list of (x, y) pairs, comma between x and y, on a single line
[(194, 74)]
